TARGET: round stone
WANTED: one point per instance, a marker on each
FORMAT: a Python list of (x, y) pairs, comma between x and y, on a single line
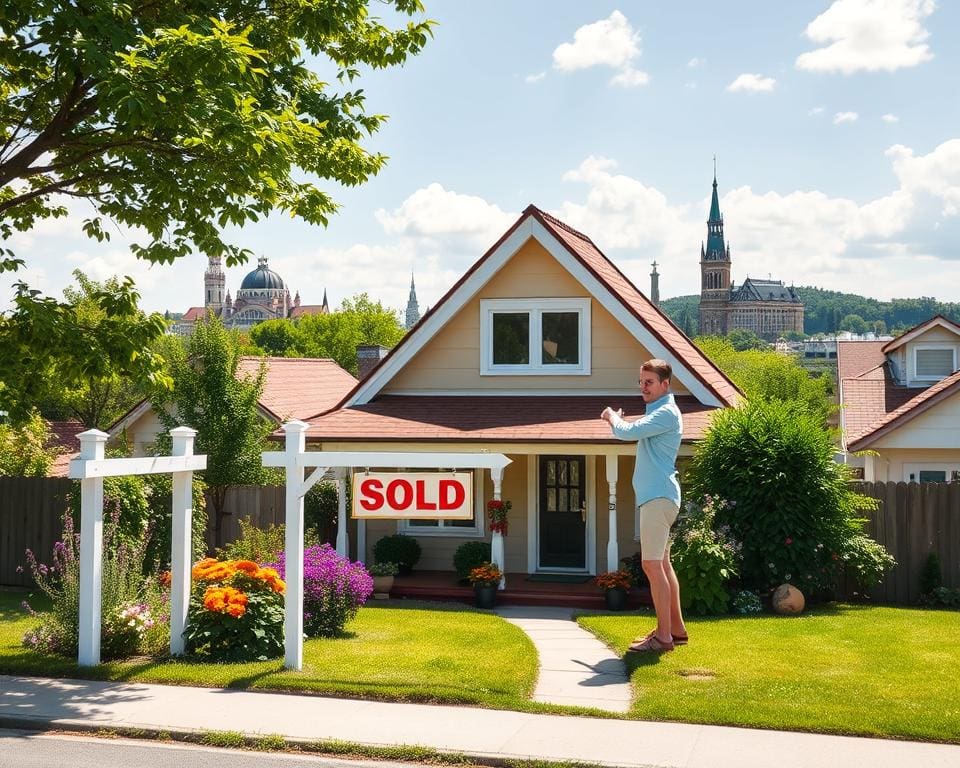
[(787, 599)]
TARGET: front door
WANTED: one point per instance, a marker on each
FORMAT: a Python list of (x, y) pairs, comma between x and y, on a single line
[(563, 512)]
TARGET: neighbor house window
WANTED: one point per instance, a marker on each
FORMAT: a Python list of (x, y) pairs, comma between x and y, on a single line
[(535, 336), (935, 363)]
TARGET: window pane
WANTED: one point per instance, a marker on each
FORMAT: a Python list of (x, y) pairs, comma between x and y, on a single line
[(933, 476), (563, 500), (423, 523), (561, 338), (459, 523), (934, 362), (511, 338), (551, 499)]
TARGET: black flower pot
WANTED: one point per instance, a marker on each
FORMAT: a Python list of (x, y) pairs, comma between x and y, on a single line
[(486, 596), (616, 598)]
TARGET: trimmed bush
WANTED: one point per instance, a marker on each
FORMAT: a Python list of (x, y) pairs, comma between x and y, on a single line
[(397, 548), (468, 556), (705, 557)]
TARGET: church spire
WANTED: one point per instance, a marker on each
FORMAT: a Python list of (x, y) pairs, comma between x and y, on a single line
[(325, 307), (413, 308)]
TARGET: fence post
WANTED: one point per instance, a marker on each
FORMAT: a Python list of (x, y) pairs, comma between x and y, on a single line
[(182, 539), (92, 446), (293, 546)]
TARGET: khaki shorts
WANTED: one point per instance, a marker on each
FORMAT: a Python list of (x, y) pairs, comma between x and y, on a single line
[(656, 517)]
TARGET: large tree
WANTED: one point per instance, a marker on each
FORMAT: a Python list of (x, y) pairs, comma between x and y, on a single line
[(210, 395), (182, 118)]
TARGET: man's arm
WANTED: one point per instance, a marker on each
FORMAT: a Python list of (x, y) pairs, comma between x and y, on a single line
[(656, 423)]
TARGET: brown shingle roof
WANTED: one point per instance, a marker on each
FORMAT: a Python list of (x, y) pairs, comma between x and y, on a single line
[(297, 387), (63, 438), (854, 358), (566, 419)]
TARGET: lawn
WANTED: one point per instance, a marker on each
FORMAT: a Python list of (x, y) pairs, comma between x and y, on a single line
[(425, 653), (839, 668)]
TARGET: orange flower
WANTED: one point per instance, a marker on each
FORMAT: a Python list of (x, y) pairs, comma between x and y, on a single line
[(272, 579), (227, 600), (247, 566), (166, 578)]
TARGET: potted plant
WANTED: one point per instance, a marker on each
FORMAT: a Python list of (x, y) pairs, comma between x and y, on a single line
[(614, 585), (399, 549), (497, 511), (486, 580), (468, 556), (383, 574)]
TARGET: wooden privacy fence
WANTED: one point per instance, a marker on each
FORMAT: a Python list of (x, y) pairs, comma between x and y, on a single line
[(913, 520), (31, 517)]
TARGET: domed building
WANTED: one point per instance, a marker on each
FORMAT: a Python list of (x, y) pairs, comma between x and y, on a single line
[(263, 295)]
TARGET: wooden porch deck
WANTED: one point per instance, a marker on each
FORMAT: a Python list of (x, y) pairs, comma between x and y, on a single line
[(443, 586)]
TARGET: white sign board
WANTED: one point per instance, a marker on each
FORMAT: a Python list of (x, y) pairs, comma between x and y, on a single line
[(413, 496)]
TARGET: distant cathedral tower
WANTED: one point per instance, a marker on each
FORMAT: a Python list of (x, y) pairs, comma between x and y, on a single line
[(413, 308), (714, 272), (655, 286), (214, 285)]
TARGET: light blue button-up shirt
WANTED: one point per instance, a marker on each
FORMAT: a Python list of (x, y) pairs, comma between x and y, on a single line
[(658, 435)]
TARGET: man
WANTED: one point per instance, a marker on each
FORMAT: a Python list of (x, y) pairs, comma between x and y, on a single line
[(657, 493)]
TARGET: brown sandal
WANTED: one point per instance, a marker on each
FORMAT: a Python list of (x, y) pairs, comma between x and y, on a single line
[(652, 644), (680, 639)]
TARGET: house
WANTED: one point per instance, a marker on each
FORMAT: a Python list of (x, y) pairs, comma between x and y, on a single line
[(520, 357), (293, 388), (901, 404)]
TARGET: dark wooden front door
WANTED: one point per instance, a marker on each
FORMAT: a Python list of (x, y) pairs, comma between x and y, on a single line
[(563, 512)]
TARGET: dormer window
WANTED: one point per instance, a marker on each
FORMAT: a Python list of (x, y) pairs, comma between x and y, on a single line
[(542, 337), (934, 363)]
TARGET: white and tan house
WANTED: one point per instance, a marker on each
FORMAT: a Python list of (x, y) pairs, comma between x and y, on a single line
[(519, 358), (900, 404)]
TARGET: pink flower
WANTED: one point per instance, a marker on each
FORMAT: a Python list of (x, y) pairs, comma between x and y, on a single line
[(788, 541)]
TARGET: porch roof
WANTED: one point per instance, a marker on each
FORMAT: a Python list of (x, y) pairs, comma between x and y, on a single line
[(553, 419)]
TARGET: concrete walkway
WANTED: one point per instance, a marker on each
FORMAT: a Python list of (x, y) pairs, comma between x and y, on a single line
[(487, 735), (576, 669)]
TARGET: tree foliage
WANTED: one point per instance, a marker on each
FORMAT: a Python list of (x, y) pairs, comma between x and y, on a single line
[(791, 507), (336, 335), (180, 119), (23, 451), (210, 396)]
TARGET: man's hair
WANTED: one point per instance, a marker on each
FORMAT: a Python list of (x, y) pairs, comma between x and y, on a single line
[(660, 367)]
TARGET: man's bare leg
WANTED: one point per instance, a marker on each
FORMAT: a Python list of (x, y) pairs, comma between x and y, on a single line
[(660, 593)]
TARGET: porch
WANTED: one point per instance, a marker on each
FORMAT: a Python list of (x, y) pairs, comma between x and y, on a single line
[(520, 590)]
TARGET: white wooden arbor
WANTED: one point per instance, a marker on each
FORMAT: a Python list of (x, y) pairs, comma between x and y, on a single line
[(90, 468), (295, 459)]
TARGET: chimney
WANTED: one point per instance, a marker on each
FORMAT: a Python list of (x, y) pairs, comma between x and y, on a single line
[(368, 356)]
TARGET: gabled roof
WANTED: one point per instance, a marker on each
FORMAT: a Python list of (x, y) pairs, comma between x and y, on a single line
[(308, 309), (193, 314), (608, 285), (917, 330), (765, 290)]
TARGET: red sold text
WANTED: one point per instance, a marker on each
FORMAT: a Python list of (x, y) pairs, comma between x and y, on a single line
[(420, 495)]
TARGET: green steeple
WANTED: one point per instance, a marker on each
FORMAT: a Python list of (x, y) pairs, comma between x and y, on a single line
[(715, 250)]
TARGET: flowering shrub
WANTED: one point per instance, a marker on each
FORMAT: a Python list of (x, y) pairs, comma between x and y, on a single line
[(122, 587), (236, 611), (633, 565), (485, 575), (705, 556), (746, 602), (497, 511), (334, 588), (614, 580), (383, 569)]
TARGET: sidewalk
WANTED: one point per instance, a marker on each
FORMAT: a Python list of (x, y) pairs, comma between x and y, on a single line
[(480, 733)]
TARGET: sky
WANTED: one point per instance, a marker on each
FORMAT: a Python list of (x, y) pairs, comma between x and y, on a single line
[(835, 127)]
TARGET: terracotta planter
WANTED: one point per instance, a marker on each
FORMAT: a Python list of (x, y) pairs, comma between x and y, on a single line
[(382, 586), (616, 598), (486, 596)]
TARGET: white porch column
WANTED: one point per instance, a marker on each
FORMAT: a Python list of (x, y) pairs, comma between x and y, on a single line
[(343, 538), (613, 551), (92, 445), (181, 554), (293, 547), (870, 468), (496, 539)]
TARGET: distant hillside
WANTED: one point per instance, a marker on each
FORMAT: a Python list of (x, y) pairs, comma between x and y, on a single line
[(825, 311)]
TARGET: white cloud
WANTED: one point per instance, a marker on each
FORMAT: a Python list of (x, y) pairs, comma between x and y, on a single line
[(752, 83), (868, 35), (815, 111), (936, 174), (535, 78), (610, 42), (696, 62), (845, 117), (888, 118)]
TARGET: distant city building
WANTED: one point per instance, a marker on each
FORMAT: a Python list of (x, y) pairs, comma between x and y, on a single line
[(262, 296), (413, 308), (767, 307)]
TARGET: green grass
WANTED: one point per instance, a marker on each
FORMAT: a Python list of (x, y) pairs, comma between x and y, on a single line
[(420, 652), (849, 669)]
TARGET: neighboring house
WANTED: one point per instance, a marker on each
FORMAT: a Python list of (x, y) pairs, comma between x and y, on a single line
[(901, 404), (293, 388), (520, 357), (63, 439)]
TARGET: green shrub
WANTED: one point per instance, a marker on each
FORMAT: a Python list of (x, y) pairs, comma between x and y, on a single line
[(160, 514), (320, 511), (397, 548), (705, 557), (931, 576), (745, 602), (795, 513), (941, 597), (468, 556), (633, 564), (261, 545)]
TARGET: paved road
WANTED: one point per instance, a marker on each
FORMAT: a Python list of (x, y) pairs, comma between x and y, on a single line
[(25, 749)]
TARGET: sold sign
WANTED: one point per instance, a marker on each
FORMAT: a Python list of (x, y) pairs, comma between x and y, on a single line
[(413, 496)]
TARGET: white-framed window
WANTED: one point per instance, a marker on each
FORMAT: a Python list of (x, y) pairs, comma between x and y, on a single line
[(526, 337), (934, 363), (465, 528)]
